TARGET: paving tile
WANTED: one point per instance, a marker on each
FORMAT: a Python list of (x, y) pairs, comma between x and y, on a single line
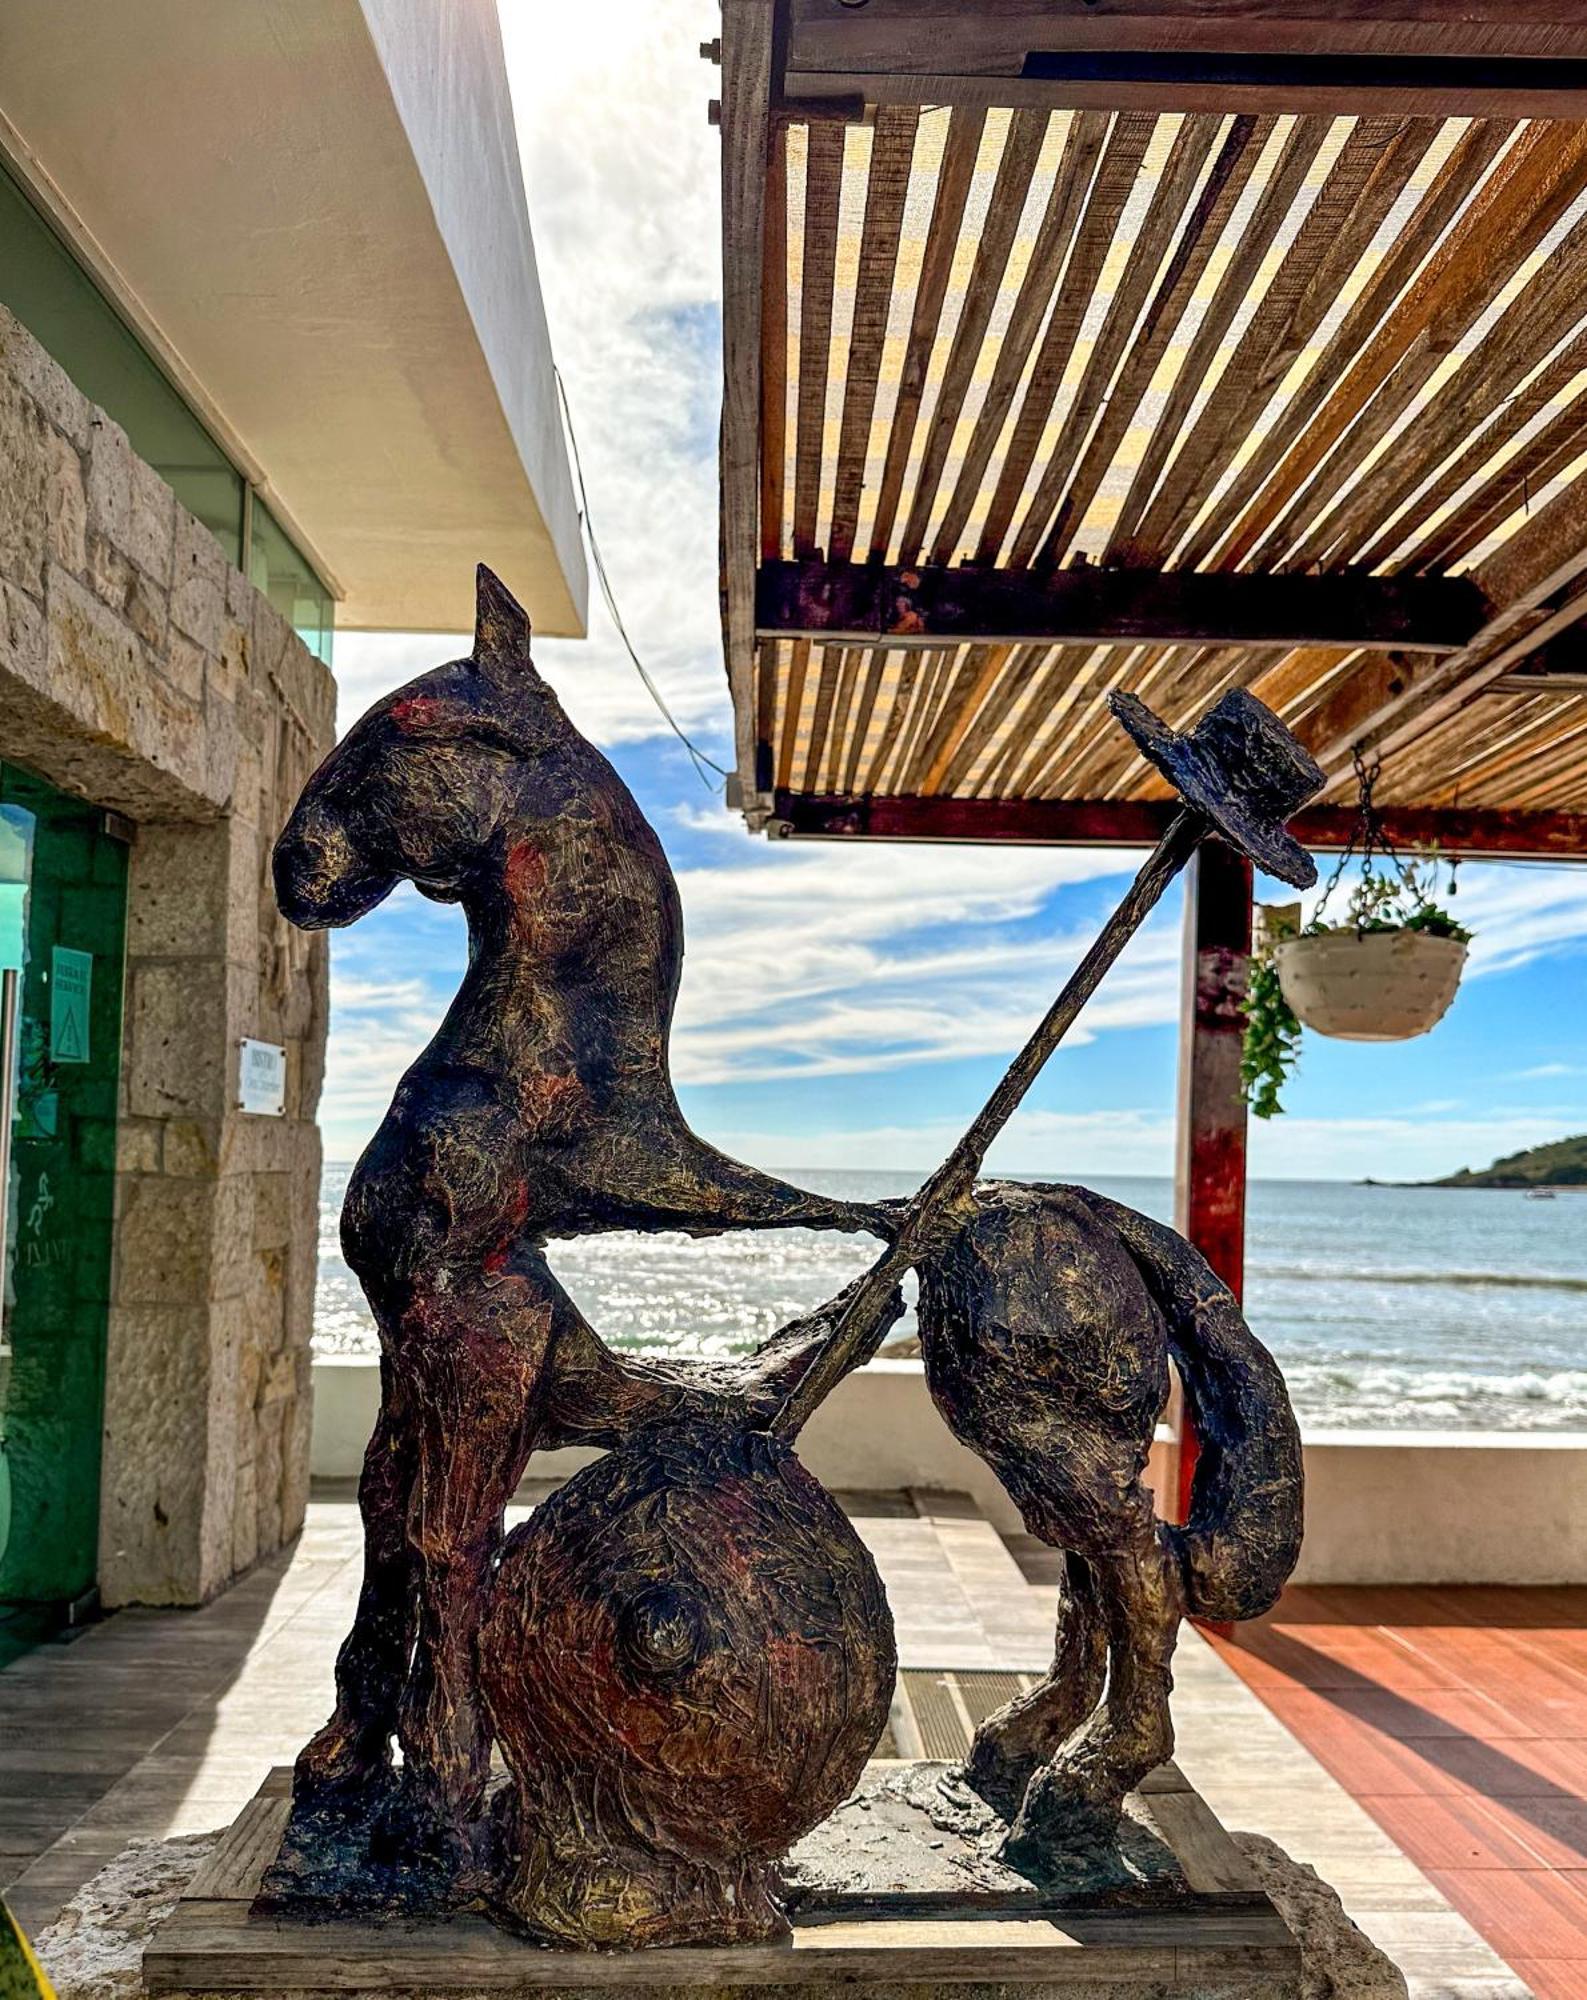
[(1446, 1986), (247, 1679), (1554, 1828), (1453, 1831), (1522, 1912), (1554, 1978), (1470, 1749), (1431, 1712), (1360, 1758)]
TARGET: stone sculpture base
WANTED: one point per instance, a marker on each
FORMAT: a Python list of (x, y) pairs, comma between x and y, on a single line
[(899, 1890)]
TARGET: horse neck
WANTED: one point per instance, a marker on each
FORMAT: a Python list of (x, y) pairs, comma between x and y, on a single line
[(575, 945)]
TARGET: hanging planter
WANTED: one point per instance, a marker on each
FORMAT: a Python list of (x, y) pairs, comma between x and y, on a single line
[(1370, 986), (1387, 973)]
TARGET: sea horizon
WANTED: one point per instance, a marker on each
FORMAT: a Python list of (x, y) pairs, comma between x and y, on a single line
[(1388, 1306)]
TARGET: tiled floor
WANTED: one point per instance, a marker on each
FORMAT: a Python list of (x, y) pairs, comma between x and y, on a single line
[(153, 1724), (1458, 1717)]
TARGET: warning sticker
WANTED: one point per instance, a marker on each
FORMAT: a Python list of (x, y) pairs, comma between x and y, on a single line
[(71, 978)]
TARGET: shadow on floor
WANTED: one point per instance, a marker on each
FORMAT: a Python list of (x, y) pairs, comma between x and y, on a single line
[(109, 1732)]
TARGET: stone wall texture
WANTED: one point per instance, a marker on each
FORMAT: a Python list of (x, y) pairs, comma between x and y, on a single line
[(140, 671)]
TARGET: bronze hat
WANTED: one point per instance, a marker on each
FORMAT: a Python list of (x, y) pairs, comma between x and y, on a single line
[(1241, 767)]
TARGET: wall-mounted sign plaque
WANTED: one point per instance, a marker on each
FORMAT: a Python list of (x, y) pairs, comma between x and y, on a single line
[(262, 1079)]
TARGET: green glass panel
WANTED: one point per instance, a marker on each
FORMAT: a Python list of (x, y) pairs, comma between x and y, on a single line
[(62, 1186), (67, 314), (276, 568)]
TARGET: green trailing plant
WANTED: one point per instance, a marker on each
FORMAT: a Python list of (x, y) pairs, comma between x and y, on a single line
[(1272, 1040), (1381, 900)]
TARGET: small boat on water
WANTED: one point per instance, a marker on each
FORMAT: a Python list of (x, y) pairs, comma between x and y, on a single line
[(1540, 1194)]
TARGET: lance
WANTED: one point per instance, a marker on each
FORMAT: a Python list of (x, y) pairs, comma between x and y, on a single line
[(1239, 774)]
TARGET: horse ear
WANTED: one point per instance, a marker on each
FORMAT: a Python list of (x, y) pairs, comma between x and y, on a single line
[(501, 627)]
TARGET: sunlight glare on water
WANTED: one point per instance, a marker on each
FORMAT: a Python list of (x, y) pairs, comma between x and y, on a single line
[(1389, 1308)]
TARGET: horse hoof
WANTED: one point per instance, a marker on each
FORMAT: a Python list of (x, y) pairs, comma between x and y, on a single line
[(1062, 1815), (343, 1757), (1002, 1781)]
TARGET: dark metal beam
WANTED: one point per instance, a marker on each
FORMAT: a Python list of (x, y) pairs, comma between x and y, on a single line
[(873, 604), (1544, 836)]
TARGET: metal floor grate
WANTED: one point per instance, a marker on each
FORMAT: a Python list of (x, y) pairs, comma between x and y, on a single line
[(935, 1713)]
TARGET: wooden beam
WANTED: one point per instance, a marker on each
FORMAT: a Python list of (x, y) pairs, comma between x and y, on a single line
[(1493, 833), (1210, 1136), (1534, 581), (873, 604), (1209, 1174), (1559, 667), (746, 97), (1298, 87), (1558, 683), (1427, 57), (986, 35)]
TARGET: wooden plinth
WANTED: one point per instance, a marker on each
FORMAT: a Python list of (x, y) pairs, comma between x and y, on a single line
[(1200, 1925)]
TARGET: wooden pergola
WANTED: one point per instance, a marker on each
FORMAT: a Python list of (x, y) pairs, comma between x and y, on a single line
[(1169, 345)]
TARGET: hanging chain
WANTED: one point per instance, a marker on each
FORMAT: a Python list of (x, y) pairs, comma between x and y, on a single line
[(1369, 837)]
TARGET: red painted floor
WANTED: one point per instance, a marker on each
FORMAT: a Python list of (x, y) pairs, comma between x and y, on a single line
[(1458, 1717)]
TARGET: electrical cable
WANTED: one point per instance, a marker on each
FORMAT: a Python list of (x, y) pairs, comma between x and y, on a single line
[(701, 761)]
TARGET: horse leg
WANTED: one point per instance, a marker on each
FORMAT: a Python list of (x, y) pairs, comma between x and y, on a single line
[(475, 1408), (1078, 1796), (1012, 1745), (355, 1745)]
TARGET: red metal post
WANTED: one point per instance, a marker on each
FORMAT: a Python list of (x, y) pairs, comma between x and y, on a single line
[(1209, 1178)]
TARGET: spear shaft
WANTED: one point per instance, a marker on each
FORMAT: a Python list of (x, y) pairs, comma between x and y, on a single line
[(944, 1198)]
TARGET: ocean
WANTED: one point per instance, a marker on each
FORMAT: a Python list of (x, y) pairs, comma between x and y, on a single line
[(1388, 1308)]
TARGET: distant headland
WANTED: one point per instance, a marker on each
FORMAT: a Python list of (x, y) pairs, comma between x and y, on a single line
[(1562, 1163)]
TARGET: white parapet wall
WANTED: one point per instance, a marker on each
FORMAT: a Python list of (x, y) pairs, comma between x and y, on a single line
[(1445, 1507), (1381, 1506)]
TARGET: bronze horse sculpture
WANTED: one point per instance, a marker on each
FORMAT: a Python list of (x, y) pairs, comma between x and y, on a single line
[(543, 1108)]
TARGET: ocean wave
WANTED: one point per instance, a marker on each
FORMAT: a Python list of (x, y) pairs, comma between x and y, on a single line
[(1410, 1347), (1509, 1281), (1331, 1395)]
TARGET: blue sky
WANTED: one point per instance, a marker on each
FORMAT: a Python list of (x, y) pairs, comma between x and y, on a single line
[(851, 1006)]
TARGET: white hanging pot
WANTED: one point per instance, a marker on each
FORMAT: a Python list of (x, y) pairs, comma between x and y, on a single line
[(1371, 986)]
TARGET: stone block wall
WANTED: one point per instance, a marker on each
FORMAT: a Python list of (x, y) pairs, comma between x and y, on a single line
[(140, 671)]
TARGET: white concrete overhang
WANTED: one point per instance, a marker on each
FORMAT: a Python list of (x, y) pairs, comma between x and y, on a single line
[(313, 213)]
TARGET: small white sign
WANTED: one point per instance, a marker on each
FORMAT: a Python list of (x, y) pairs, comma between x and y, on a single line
[(262, 1082)]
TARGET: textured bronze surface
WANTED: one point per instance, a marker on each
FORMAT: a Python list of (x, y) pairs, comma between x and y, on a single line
[(688, 1659), (543, 1107), (686, 1656), (1046, 1330)]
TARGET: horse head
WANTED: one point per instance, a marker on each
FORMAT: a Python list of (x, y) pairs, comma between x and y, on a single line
[(418, 787)]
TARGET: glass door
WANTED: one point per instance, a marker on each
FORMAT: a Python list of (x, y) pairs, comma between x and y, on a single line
[(63, 902)]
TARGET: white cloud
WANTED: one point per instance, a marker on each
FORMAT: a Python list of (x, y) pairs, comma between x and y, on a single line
[(371, 664), (622, 172), (1390, 1148), (826, 960), (1055, 1145), (803, 962), (1085, 1145)]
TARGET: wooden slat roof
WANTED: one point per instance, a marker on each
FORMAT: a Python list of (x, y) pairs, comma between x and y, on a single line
[(1024, 338)]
